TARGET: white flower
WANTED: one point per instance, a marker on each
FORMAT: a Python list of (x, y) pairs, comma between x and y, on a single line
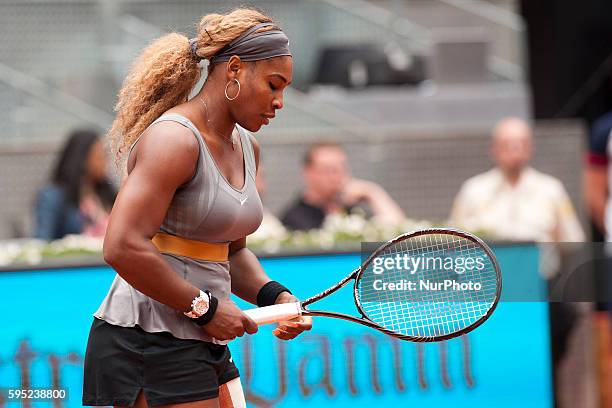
[(77, 243), (271, 237), (32, 255), (326, 239)]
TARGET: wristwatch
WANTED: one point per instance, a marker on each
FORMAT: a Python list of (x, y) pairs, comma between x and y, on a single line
[(199, 305)]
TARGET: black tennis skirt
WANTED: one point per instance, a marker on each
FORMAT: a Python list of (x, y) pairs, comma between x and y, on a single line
[(122, 361)]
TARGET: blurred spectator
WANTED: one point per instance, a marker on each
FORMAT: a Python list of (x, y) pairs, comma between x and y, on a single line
[(329, 188), (270, 224), (514, 201), (597, 178), (79, 196)]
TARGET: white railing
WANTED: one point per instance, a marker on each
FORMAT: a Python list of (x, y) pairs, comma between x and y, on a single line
[(491, 12), (420, 37), (54, 97)]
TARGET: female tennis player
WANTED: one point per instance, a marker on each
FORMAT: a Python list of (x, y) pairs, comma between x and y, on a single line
[(176, 235)]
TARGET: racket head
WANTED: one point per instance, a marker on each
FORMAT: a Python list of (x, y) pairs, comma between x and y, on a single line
[(423, 315)]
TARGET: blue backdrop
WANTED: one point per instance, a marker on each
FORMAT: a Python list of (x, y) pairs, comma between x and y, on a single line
[(46, 316)]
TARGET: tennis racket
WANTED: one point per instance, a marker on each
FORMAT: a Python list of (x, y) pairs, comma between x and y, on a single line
[(425, 286)]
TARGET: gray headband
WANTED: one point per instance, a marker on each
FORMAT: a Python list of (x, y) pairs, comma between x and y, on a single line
[(252, 46)]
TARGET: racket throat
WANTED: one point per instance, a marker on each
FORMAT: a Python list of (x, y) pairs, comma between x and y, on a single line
[(331, 290)]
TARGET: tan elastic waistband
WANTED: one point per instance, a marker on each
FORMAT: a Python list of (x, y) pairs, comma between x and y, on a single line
[(204, 251)]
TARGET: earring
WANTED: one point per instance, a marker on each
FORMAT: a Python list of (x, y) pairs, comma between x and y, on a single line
[(228, 98)]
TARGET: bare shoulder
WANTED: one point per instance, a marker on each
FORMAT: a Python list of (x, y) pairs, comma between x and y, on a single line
[(167, 148), (168, 137)]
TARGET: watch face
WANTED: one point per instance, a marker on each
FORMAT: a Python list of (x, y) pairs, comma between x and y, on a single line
[(201, 306)]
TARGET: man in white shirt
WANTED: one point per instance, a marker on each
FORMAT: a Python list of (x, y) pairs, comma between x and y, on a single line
[(514, 201)]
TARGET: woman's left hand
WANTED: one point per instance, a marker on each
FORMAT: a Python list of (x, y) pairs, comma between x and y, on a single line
[(291, 328)]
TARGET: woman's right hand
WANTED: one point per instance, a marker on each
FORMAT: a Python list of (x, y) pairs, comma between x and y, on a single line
[(229, 322)]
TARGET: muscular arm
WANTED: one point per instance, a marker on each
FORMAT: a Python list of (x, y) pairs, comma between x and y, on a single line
[(247, 273), (160, 168)]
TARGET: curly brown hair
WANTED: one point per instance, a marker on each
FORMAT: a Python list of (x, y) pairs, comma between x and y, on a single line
[(166, 71)]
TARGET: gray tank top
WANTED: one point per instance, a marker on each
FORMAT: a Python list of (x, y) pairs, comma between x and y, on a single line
[(207, 208)]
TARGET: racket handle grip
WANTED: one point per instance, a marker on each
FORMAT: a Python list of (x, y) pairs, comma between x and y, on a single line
[(274, 313)]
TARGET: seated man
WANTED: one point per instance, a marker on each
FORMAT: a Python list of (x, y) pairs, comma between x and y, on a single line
[(514, 201), (329, 188)]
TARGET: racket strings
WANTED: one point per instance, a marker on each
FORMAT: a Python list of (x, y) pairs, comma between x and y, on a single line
[(423, 312)]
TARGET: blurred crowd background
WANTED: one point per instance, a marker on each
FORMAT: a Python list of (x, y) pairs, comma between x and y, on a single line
[(411, 89), (484, 114)]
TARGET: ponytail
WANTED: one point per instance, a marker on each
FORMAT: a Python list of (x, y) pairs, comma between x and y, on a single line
[(161, 77)]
